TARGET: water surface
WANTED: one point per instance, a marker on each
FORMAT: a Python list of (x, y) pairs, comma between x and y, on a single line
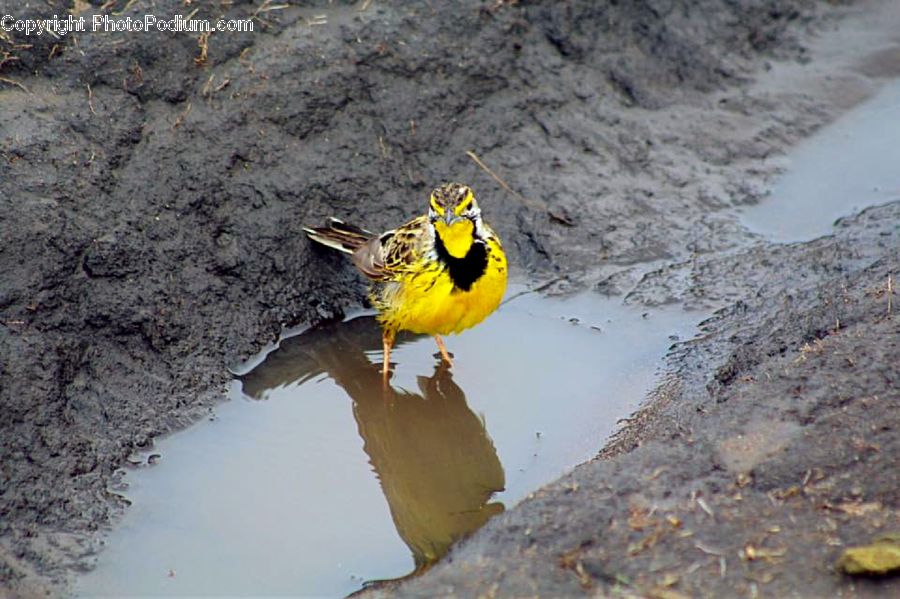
[(848, 165), (315, 478)]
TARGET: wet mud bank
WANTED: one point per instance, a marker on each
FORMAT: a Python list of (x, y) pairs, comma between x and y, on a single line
[(769, 449), (153, 188)]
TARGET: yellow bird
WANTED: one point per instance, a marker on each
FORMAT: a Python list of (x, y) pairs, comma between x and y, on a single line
[(440, 273)]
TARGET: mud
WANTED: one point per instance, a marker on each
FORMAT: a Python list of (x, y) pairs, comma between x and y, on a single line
[(153, 193), (771, 447)]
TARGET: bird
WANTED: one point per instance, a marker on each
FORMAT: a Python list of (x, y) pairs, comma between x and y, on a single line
[(438, 274)]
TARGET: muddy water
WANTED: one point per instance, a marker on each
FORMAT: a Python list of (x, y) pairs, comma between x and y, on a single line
[(315, 479), (847, 166)]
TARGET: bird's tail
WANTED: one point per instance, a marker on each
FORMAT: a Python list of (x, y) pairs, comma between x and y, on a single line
[(339, 235)]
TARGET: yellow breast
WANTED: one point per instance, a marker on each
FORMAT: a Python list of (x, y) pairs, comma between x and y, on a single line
[(431, 302)]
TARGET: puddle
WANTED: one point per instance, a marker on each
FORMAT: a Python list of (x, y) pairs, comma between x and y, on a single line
[(849, 165), (314, 480)]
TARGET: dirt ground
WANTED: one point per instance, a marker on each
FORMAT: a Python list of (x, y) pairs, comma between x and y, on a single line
[(772, 445), (153, 187)]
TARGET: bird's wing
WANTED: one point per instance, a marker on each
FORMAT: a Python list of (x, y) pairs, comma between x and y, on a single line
[(393, 252)]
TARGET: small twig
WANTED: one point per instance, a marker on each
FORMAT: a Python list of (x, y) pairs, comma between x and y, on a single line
[(7, 57), (16, 83), (365, 6), (317, 20), (208, 86), (111, 3), (182, 116), (705, 507), (709, 550), (203, 44), (504, 184), (91, 99), (806, 478), (242, 58), (208, 89), (890, 292), (266, 7)]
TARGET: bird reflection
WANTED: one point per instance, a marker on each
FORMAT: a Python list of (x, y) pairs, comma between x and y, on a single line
[(436, 464)]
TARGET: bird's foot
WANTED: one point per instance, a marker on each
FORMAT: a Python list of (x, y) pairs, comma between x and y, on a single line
[(445, 355)]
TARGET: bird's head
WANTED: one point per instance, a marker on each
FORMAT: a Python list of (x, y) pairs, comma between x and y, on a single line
[(455, 215)]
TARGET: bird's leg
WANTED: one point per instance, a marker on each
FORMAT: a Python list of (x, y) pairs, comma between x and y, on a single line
[(387, 341), (443, 348)]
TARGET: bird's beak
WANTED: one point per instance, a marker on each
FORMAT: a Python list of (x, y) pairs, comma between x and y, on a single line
[(451, 219)]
